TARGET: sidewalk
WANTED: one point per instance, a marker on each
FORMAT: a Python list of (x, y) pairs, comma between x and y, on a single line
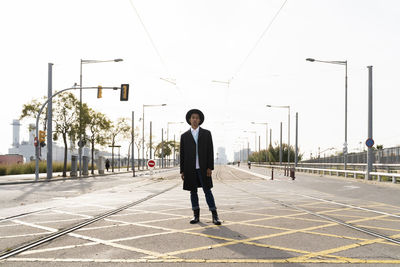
[(57, 176)]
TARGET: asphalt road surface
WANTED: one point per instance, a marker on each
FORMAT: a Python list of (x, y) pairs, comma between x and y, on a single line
[(144, 221)]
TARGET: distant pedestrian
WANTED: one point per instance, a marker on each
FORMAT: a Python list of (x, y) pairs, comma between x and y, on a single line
[(238, 163), (197, 163), (107, 164), (249, 164)]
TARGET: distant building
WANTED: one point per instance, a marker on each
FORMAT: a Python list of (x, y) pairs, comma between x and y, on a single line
[(242, 155), (221, 156), (27, 149)]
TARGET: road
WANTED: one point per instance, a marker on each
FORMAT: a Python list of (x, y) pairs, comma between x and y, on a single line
[(311, 220)]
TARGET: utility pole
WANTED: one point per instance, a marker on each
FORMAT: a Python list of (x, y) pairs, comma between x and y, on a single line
[(50, 123), (162, 148), (270, 137), (151, 140), (297, 132), (280, 148), (370, 155), (133, 144), (174, 151)]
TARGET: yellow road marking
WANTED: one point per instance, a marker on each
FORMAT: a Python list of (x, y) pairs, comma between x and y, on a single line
[(350, 260)]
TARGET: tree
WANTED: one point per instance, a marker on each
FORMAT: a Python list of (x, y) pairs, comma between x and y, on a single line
[(273, 154), (66, 119), (167, 149), (120, 128), (31, 109), (98, 125)]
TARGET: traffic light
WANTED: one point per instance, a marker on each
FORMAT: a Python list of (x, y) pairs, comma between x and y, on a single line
[(124, 92), (42, 136), (99, 91)]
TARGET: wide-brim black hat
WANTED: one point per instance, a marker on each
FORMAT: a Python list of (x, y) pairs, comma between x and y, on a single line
[(194, 111)]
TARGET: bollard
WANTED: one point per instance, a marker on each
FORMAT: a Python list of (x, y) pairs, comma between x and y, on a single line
[(100, 165), (74, 165), (85, 165), (292, 173), (272, 174)]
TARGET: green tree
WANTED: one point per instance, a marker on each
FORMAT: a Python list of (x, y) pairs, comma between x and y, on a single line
[(31, 109), (168, 146), (273, 154), (120, 129), (66, 120), (98, 125)]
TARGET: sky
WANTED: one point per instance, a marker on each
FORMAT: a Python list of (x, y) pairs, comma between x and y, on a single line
[(198, 42)]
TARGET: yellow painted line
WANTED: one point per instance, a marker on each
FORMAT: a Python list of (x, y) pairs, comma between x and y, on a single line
[(369, 261), (243, 240), (343, 248), (307, 232), (104, 242)]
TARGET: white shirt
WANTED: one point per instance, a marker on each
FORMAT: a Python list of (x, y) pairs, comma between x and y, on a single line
[(195, 133)]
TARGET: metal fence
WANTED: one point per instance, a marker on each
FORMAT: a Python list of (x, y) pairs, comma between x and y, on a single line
[(382, 156)]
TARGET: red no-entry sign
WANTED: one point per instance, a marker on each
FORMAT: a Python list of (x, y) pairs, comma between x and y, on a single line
[(151, 163)]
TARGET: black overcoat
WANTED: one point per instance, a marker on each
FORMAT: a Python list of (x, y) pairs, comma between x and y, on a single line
[(188, 158)]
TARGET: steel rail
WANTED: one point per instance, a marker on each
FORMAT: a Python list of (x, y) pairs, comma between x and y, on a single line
[(68, 230), (360, 229)]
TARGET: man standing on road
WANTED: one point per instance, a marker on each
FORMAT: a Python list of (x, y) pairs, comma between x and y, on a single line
[(197, 163)]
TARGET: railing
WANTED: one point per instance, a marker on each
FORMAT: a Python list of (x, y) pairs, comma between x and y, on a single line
[(353, 173)]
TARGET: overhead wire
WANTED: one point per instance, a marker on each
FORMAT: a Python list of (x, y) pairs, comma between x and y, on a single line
[(153, 43), (258, 41)]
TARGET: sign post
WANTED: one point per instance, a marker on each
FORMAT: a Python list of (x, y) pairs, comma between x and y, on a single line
[(151, 164)]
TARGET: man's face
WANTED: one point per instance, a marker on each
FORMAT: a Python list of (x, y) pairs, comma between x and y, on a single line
[(194, 120)]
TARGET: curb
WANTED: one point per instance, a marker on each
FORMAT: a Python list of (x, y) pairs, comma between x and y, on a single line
[(57, 179)]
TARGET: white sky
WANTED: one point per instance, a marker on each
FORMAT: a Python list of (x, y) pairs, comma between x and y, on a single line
[(201, 41)]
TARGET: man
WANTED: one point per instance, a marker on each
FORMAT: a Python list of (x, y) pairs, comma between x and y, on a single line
[(197, 163), (107, 164)]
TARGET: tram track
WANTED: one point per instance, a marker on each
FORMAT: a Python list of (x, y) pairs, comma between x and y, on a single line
[(325, 217), (77, 226)]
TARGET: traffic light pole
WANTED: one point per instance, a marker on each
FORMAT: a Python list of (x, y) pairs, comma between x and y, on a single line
[(50, 124), (40, 112)]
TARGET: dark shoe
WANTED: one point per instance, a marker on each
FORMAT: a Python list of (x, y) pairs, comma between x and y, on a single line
[(215, 218), (196, 218)]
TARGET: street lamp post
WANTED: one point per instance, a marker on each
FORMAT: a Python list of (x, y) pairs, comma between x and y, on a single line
[(168, 123), (288, 107), (266, 137), (255, 139), (144, 106), (343, 63), (80, 144)]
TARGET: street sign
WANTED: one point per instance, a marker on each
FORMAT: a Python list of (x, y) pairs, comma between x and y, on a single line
[(81, 143), (370, 142), (151, 163)]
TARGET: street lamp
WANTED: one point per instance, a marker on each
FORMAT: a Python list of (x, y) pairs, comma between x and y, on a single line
[(168, 123), (255, 139), (145, 106), (343, 63), (80, 144), (288, 107), (266, 137)]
